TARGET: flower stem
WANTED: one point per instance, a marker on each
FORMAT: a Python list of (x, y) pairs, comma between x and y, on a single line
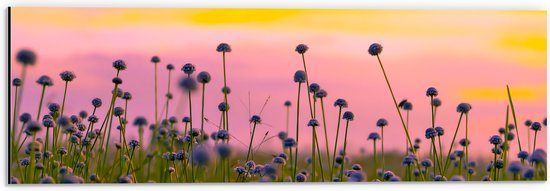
[(297, 128), (250, 145), (451, 146), (40, 103), (326, 134), (343, 157), (514, 116), (202, 109)]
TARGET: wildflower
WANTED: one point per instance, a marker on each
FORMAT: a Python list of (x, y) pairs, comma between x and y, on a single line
[(289, 142), (118, 111), (67, 76), (356, 176), (223, 150), (45, 81), (188, 84), (279, 160), (528, 172), (117, 80), (226, 90), (33, 127), (288, 103), (155, 59), (71, 179), (133, 144), (463, 108), (431, 92), (430, 133), (48, 123), (200, 156), (495, 140), (395, 179), (464, 142), (82, 114), (457, 178), (486, 178), (96, 102), (93, 119), (255, 119), (536, 126), (374, 136), (321, 93), (408, 160), (223, 47), (250, 164), (300, 76), (188, 68), (119, 65), (515, 167), (17, 82), (387, 175), (25, 117), (239, 170), (26, 57), (356, 167), (342, 103), (528, 122), (426, 163), (348, 115), (223, 134), (126, 179), (314, 87), (375, 49), (439, 178), (436, 102), (523, 155), (47, 180), (314, 122), (269, 169), (127, 96), (301, 177), (538, 157), (440, 131), (501, 130), (203, 77), (381, 122), (24, 161), (53, 107), (511, 126), (282, 135)]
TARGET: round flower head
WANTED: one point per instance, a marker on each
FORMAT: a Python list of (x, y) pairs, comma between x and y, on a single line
[(499, 163), (497, 151), (119, 65), (387, 175), (417, 140), (348, 115), (463, 108), (407, 106), (356, 167), (301, 177), (140, 121), (133, 144), (440, 131), (301, 48), (528, 173), (47, 180), (439, 178), (282, 135), (356, 176), (523, 155), (426, 163), (67, 76), (431, 92), (374, 136), (186, 120), (536, 126), (188, 68), (486, 178), (223, 135), (408, 160), (544, 121), (201, 156), (48, 123), (96, 102), (342, 103), (511, 126), (495, 140), (223, 106), (430, 133), (300, 76), (53, 107), (339, 159), (313, 123), (501, 130), (255, 119), (25, 161), (127, 96), (511, 136), (33, 127), (528, 122), (395, 179), (17, 82), (250, 164), (83, 114), (223, 47), (25, 117), (188, 84), (93, 119), (457, 178), (226, 90), (381, 122), (321, 93), (117, 80), (279, 160), (464, 142), (203, 77), (283, 155), (436, 102), (538, 157), (375, 49), (26, 57), (314, 87), (239, 170), (269, 169), (172, 120), (170, 67), (223, 150), (45, 81), (288, 103), (155, 59), (515, 167), (289, 142), (118, 111)]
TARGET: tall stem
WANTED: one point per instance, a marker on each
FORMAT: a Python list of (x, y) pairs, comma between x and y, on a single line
[(467, 141), (40, 103), (202, 108), (343, 157), (250, 145), (313, 154), (297, 128), (336, 141), (451, 146), (514, 116), (326, 134), (382, 149), (225, 94), (398, 111)]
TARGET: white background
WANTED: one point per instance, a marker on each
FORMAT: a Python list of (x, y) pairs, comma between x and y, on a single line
[(335, 4)]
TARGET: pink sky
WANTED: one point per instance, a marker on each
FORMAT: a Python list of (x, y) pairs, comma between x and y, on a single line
[(469, 56)]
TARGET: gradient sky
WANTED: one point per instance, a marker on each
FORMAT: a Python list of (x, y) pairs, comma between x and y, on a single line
[(469, 56)]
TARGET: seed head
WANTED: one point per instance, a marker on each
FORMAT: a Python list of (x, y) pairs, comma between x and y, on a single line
[(301, 48), (282, 135), (463, 108), (300, 76), (203, 77), (188, 84), (289, 143), (118, 111), (45, 81), (426, 163), (188, 68), (431, 92), (67, 76), (321, 93), (440, 131), (436, 102), (374, 136), (528, 122), (288, 103), (342, 103), (348, 115), (223, 47), (255, 119), (314, 87), (375, 49), (536, 126), (119, 65), (314, 122), (301, 177), (26, 57), (155, 59), (381, 122), (495, 140), (133, 144), (33, 127), (17, 82)]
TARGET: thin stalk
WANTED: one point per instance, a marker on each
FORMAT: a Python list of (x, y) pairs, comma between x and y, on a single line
[(336, 142), (495, 165), (374, 158), (225, 94), (436, 157), (467, 142), (326, 134), (345, 145), (535, 141), (192, 136), (297, 127), (40, 103), (382, 149), (313, 154), (513, 115), (451, 146), (398, 111), (202, 109), (250, 145)]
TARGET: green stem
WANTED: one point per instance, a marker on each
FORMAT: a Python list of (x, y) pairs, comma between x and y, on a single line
[(202, 110), (382, 149), (40, 103), (513, 115), (451, 146), (297, 128), (336, 142), (343, 157), (326, 134), (250, 145)]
